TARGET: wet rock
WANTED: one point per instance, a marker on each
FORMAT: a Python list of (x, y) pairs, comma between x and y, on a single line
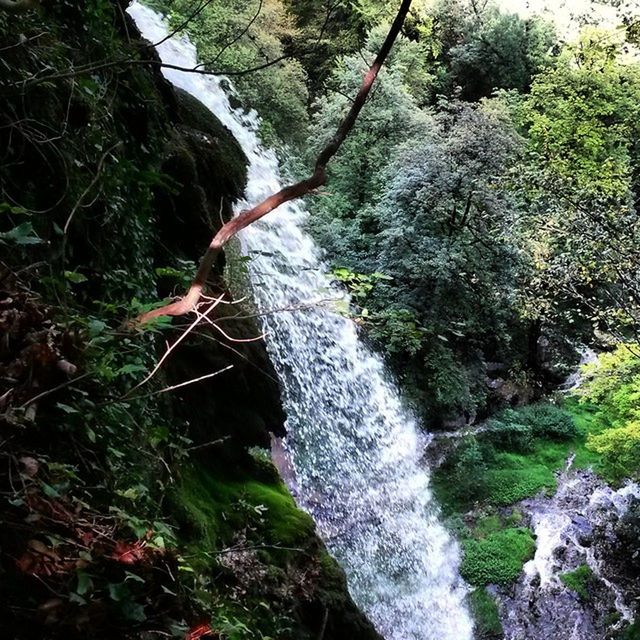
[(580, 526)]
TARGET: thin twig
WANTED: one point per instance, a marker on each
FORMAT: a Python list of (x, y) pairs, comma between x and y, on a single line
[(49, 391), (183, 335), (181, 26), (90, 185)]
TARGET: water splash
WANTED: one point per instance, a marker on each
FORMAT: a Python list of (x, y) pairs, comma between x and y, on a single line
[(355, 450)]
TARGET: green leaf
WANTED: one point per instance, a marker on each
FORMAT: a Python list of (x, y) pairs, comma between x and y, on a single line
[(118, 591), (133, 611), (5, 207), (75, 277), (66, 408), (131, 368), (50, 491), (84, 583), (23, 234)]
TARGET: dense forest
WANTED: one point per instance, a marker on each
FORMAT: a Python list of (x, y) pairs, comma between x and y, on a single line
[(473, 219)]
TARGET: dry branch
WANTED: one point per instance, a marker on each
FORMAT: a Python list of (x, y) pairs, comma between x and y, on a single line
[(292, 192)]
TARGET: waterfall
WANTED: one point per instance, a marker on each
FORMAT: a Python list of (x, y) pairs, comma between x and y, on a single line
[(355, 450)]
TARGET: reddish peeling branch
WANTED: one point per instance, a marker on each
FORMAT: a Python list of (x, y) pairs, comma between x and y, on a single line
[(297, 190)]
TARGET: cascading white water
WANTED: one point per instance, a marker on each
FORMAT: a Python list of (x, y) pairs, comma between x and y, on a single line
[(356, 451)]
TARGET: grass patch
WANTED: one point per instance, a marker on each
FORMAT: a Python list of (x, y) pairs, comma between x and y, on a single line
[(498, 558), (485, 613), (510, 462), (578, 580)]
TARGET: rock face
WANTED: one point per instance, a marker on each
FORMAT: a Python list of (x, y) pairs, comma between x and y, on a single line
[(576, 587)]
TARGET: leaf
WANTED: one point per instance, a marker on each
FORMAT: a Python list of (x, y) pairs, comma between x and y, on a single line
[(5, 207), (168, 591), (23, 234), (131, 368), (118, 591), (133, 611), (50, 491), (66, 408), (84, 583), (133, 576), (75, 277)]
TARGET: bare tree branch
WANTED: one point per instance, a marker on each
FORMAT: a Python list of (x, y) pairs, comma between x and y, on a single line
[(291, 192)]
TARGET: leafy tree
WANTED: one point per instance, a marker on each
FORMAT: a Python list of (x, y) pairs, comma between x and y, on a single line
[(499, 51), (475, 49), (436, 221), (579, 189), (613, 384)]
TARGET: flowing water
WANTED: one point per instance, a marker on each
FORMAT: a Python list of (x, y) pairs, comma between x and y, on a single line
[(354, 448), (572, 529)]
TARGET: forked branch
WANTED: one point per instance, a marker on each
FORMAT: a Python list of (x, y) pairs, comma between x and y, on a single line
[(297, 190)]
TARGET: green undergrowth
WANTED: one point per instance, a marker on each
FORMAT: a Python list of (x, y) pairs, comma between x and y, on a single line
[(517, 457), (632, 632), (498, 557), (578, 580), (485, 612)]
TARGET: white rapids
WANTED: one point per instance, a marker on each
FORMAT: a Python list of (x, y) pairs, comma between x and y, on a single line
[(355, 450)]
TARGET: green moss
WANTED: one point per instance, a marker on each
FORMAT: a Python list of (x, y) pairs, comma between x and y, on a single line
[(497, 558), (485, 614), (487, 525), (632, 632), (578, 580), (518, 478), (217, 507)]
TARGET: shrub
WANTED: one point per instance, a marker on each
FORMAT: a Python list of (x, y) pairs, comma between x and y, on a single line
[(498, 558), (548, 421), (511, 436)]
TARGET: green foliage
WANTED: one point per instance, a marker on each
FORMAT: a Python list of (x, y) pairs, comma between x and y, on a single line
[(516, 456), (417, 219), (613, 385), (485, 613), (579, 183), (499, 51), (498, 558), (631, 632), (516, 477), (219, 507), (620, 448), (516, 430), (578, 580)]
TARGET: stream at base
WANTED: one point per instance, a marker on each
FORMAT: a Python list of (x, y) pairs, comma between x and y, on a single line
[(355, 450)]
